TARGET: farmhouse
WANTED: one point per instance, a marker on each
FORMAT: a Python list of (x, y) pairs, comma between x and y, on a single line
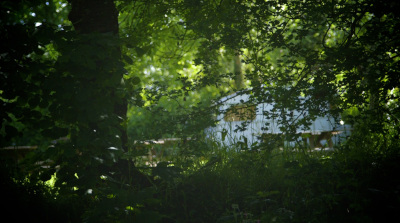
[(243, 123)]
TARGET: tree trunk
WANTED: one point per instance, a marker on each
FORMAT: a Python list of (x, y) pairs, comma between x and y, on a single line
[(101, 17), (237, 69), (94, 16), (94, 19)]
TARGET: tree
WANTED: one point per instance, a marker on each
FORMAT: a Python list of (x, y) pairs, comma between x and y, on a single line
[(327, 50), (76, 93), (79, 72)]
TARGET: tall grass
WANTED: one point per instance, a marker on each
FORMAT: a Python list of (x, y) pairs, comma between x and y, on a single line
[(203, 181), (285, 185)]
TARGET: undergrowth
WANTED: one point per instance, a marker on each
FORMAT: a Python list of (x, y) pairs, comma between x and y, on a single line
[(355, 183), (201, 182)]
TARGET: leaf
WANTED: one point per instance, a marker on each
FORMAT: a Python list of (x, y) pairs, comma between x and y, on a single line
[(135, 80), (11, 131), (223, 134), (165, 172), (34, 101), (140, 51), (127, 59)]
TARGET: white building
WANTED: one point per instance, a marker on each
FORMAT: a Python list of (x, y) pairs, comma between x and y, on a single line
[(324, 132)]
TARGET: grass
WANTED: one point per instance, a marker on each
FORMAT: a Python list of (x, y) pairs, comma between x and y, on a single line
[(202, 181), (285, 186)]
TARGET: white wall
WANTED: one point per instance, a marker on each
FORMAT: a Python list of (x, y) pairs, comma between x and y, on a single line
[(254, 129)]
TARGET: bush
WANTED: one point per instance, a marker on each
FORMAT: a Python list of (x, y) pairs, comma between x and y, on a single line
[(349, 185)]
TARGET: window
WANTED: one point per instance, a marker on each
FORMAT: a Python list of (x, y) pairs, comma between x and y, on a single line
[(240, 113)]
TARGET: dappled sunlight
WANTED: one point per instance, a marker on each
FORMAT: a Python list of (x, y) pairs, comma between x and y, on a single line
[(200, 111)]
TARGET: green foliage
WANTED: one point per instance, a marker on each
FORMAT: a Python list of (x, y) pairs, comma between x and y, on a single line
[(342, 186), (27, 30), (89, 88), (30, 199)]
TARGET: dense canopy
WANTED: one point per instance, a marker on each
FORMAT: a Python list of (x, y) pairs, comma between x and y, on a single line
[(89, 84)]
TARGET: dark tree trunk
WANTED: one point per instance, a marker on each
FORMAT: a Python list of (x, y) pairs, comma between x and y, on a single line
[(101, 17), (94, 16)]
